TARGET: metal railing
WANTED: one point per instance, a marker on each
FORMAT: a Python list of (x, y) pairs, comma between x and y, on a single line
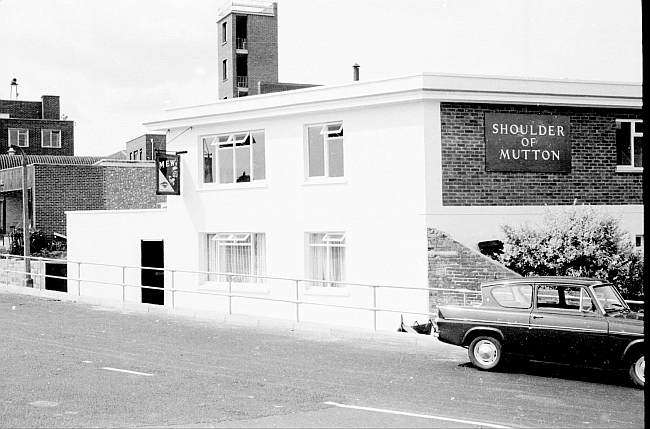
[(242, 81), (299, 287), (241, 43)]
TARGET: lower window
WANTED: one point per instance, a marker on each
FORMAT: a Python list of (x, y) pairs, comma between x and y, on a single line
[(237, 256), (326, 259)]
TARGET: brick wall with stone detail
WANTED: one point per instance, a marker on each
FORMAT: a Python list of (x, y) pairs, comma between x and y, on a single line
[(593, 178), (61, 188), (454, 266)]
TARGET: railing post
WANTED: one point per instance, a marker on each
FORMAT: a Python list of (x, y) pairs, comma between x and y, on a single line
[(172, 271), (297, 300), (79, 278), (229, 293), (123, 284), (374, 306)]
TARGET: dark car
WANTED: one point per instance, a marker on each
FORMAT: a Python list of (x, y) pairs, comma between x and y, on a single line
[(568, 320)]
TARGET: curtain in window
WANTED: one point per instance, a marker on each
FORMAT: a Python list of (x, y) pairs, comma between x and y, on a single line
[(317, 259), (241, 254)]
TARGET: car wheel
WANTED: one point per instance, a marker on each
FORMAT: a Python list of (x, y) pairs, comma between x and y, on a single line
[(485, 352), (637, 370)]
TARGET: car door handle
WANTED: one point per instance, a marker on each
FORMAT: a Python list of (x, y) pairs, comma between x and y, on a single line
[(538, 317)]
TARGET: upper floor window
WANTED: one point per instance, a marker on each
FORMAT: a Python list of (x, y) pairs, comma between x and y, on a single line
[(51, 138), (325, 150), (326, 259), (224, 32), (224, 69), (629, 145), (18, 137), (240, 255), (234, 158)]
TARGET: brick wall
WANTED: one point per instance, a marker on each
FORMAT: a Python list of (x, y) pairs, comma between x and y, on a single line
[(592, 180), (34, 128), (21, 109), (51, 108), (130, 188), (61, 188), (58, 188), (262, 50), (454, 266)]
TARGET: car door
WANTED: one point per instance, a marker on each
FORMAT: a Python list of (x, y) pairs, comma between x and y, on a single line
[(566, 327)]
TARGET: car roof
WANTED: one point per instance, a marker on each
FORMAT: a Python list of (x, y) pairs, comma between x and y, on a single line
[(580, 281)]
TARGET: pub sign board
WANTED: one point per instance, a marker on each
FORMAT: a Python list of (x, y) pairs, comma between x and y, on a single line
[(527, 143), (168, 174)]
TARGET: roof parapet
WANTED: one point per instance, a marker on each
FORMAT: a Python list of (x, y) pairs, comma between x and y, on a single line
[(251, 7)]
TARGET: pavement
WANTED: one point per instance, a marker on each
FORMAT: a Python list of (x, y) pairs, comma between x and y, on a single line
[(344, 332)]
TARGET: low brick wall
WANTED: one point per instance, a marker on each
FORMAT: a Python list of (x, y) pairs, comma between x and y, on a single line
[(12, 272), (454, 266)]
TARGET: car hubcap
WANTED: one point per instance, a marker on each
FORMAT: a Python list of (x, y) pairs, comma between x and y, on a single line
[(639, 368), (485, 352)]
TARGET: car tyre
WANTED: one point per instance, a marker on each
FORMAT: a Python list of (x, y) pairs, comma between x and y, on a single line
[(485, 352), (637, 370)]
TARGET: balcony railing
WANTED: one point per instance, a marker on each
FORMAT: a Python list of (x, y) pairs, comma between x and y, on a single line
[(242, 82), (241, 44)]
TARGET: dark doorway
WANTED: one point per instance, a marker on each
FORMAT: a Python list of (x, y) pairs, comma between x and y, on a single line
[(152, 256)]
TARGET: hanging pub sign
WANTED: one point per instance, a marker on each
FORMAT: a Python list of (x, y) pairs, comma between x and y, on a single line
[(168, 173), (527, 143)]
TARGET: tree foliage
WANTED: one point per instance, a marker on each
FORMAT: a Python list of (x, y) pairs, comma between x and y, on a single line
[(578, 241)]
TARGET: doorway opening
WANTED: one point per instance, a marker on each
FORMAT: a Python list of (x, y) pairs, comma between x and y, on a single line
[(152, 257)]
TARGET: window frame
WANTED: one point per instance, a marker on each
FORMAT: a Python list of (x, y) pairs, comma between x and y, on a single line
[(224, 70), (51, 132), (251, 245), (332, 132), (18, 132), (629, 168), (329, 241), (214, 146)]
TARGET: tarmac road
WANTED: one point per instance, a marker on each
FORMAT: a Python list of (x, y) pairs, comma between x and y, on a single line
[(70, 364)]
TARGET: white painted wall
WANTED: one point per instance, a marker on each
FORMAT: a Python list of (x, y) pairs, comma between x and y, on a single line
[(379, 205)]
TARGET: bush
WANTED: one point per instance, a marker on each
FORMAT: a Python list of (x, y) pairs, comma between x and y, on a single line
[(40, 243), (580, 241)]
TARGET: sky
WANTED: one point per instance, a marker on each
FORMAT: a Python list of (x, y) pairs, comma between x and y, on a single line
[(120, 63)]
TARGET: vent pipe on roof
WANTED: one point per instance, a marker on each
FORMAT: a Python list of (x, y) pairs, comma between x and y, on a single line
[(355, 72)]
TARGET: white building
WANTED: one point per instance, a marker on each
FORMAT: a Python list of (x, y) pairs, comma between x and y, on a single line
[(349, 183)]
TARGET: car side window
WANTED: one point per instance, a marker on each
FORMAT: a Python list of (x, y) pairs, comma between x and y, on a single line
[(564, 297), (513, 296)]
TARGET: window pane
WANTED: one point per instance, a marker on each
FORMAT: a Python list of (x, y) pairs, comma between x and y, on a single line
[(259, 161), (316, 152), (517, 296), (56, 138), (337, 264), (208, 160), (335, 157), (638, 127), (638, 151), (226, 166), (317, 264), (243, 158), (623, 145), (547, 296)]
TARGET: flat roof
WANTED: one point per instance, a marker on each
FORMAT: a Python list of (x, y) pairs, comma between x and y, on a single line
[(425, 86)]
